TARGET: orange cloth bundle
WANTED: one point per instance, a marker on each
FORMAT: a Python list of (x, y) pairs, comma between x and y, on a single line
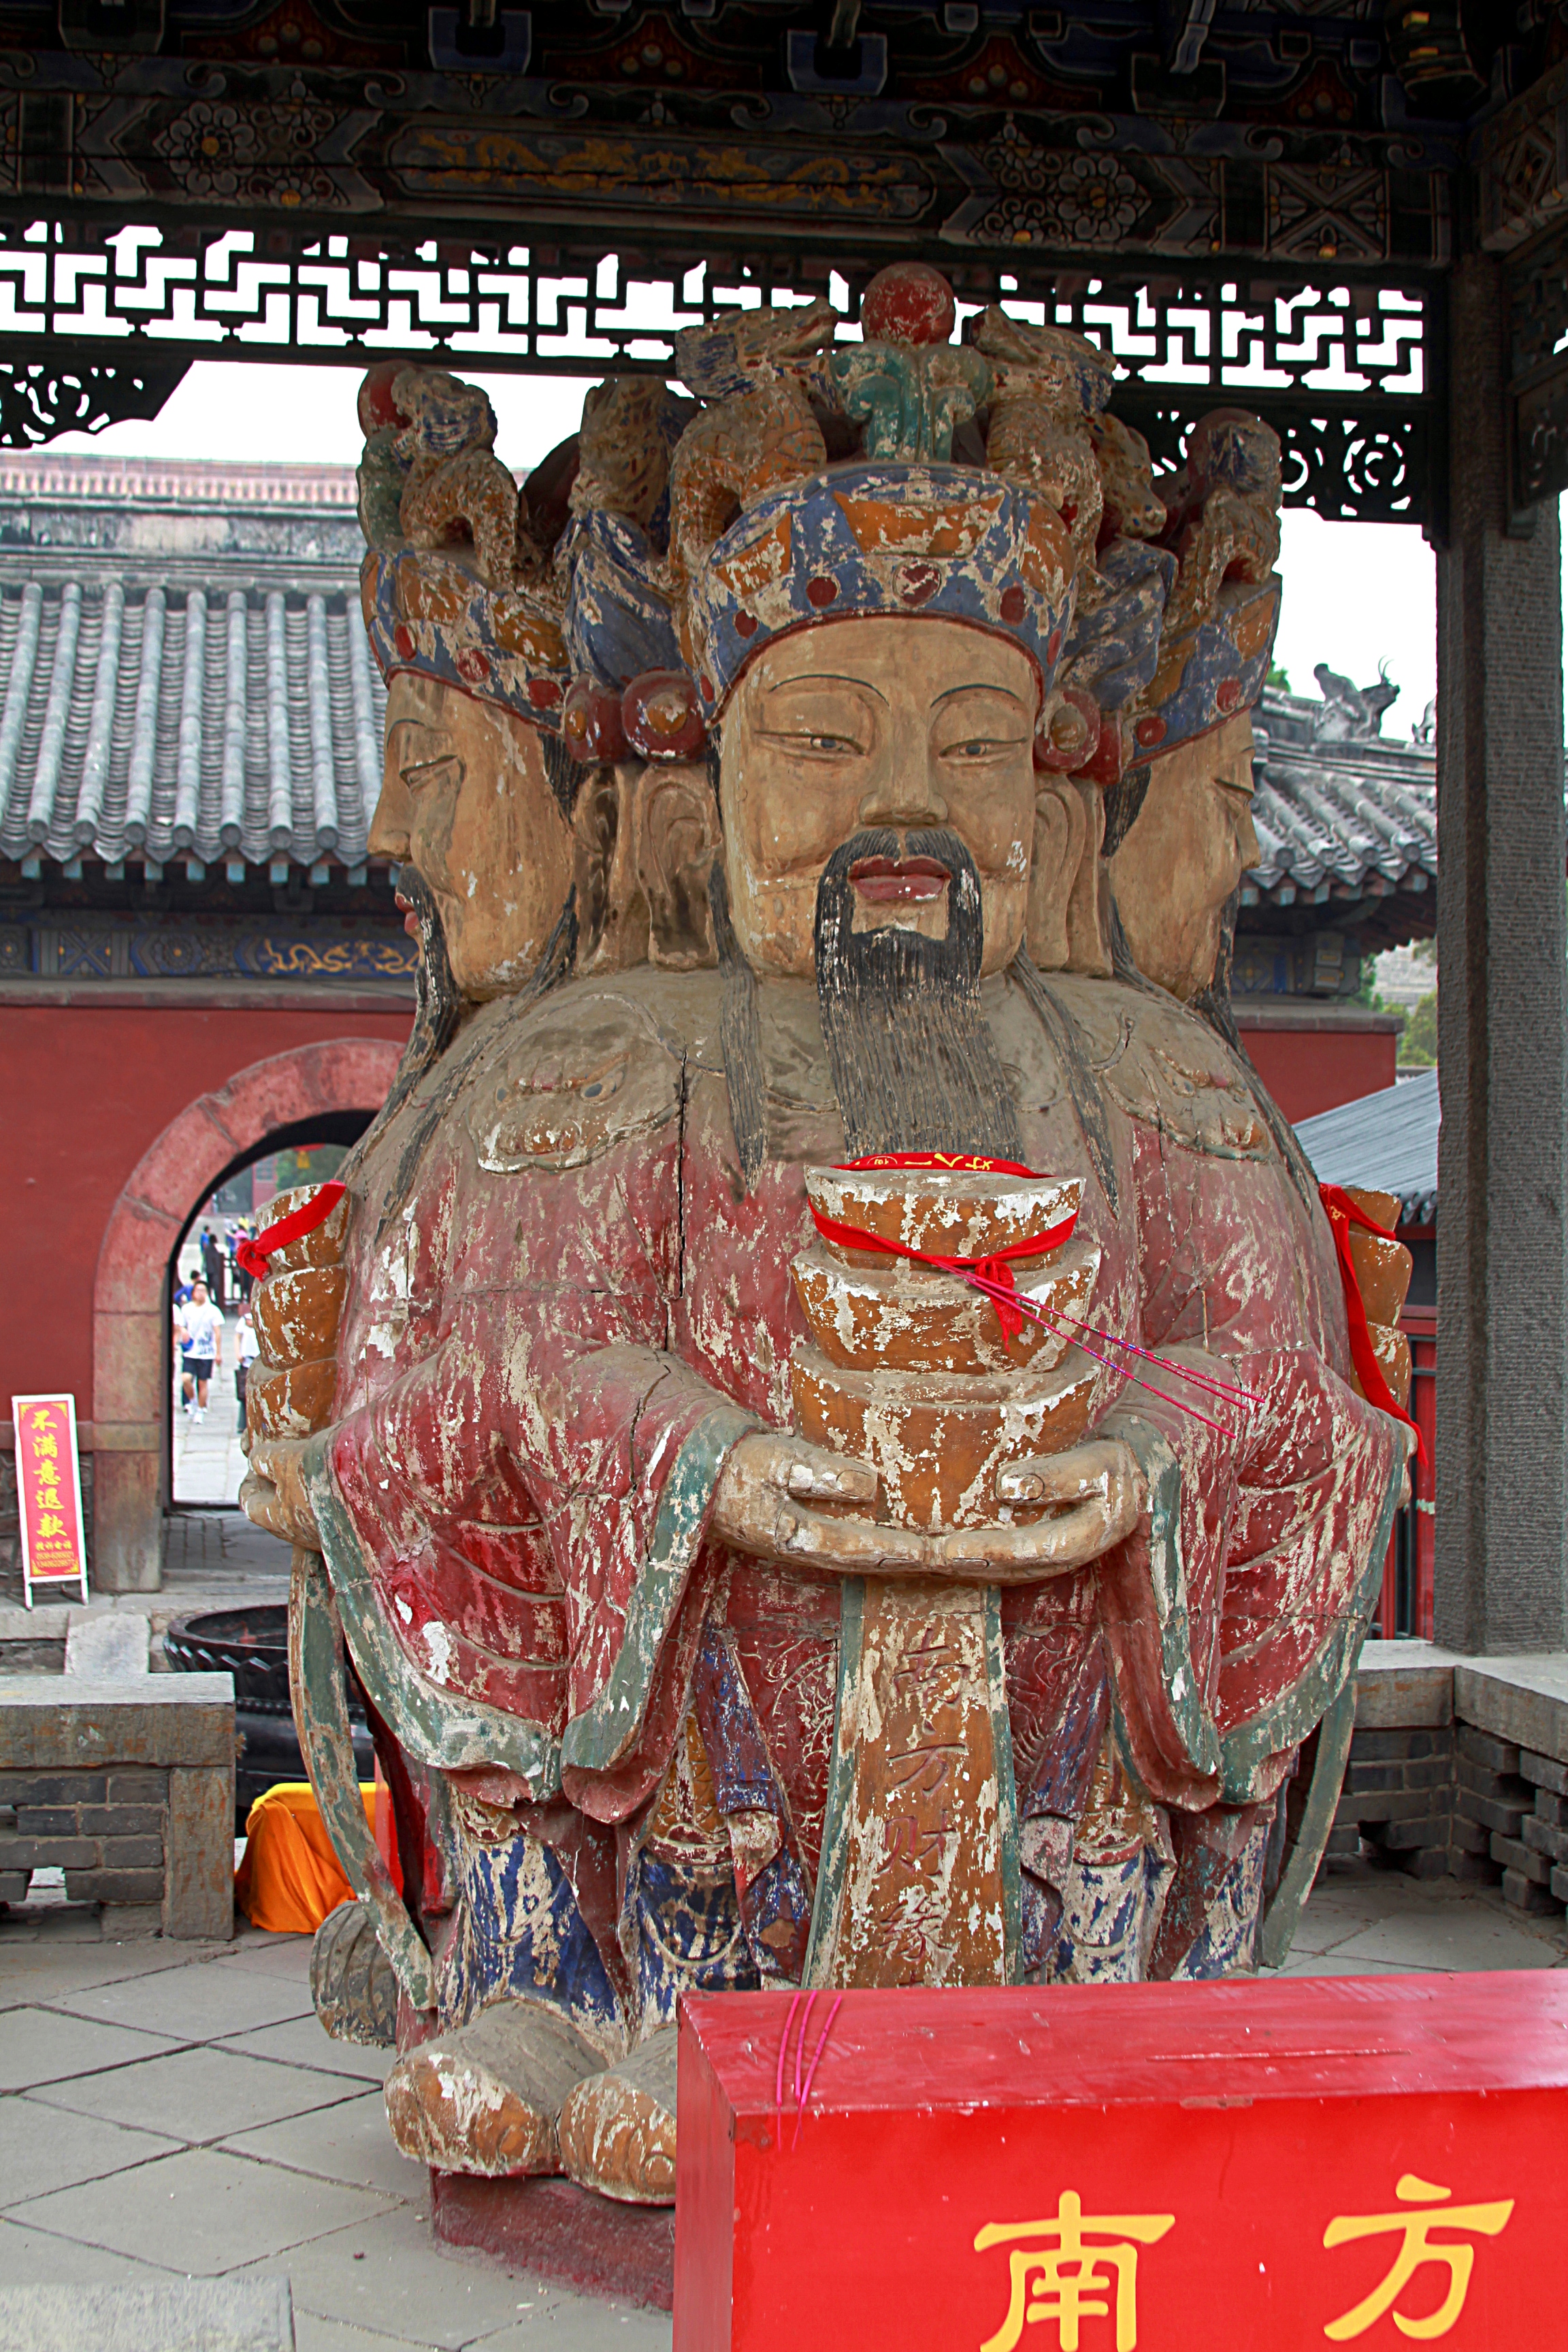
[(290, 1877)]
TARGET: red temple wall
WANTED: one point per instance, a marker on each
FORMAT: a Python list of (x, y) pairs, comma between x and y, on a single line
[(1313, 1058), (90, 1082)]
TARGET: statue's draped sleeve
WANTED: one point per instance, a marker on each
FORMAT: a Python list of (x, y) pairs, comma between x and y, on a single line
[(1236, 1612), (548, 1469)]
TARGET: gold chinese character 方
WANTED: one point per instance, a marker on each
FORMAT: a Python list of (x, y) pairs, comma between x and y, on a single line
[(1418, 2250), (1072, 2280)]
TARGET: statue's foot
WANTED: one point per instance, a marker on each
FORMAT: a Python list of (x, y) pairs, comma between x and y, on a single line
[(351, 1980), (485, 2098), (617, 2129)]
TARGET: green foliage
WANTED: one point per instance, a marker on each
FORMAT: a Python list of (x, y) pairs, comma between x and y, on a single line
[(313, 1165), (1278, 678), (1419, 1043)]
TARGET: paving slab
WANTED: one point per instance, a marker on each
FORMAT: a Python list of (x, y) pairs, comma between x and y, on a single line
[(349, 2143), (197, 2005), (34, 1965), (113, 1645), (44, 2146), (313, 2335), (200, 2095), (279, 1956), (583, 2326), (41, 2046), (1472, 1936), (183, 2316), (30, 2257), (303, 2042), (388, 2275), (203, 2212)]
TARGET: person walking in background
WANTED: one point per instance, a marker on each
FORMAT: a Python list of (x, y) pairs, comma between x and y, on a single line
[(244, 1231), (213, 1267), (247, 1346), (198, 1331)]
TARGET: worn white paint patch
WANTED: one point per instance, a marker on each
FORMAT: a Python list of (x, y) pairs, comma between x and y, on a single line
[(438, 1652)]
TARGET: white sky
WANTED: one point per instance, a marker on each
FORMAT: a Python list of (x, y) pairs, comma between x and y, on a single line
[(1356, 594)]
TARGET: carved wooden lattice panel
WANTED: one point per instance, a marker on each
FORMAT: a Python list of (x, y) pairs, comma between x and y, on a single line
[(1342, 369)]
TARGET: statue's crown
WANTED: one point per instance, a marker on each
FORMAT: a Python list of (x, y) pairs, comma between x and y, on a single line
[(453, 587), (647, 563)]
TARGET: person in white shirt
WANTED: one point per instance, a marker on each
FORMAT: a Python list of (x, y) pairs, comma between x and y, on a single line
[(247, 1346), (198, 1331)]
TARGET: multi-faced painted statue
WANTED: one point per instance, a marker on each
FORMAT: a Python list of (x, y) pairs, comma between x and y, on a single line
[(823, 1418)]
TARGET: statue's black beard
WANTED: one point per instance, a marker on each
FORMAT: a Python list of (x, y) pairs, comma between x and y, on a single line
[(913, 1062)]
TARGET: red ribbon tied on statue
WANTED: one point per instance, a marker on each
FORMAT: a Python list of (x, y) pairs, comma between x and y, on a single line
[(1342, 1213), (253, 1251), (994, 1267)]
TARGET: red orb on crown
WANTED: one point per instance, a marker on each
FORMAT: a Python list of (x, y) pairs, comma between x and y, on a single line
[(908, 302), (377, 409)]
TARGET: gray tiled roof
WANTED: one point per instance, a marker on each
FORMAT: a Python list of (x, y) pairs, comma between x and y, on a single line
[(242, 723), (184, 673), (1386, 1142), (1339, 821)]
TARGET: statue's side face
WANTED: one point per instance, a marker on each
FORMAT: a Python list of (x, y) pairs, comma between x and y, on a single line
[(465, 801), (907, 727), (1185, 851)]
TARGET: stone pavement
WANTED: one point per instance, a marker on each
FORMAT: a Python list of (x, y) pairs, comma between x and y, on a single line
[(168, 2110), (173, 2109), (208, 1463)]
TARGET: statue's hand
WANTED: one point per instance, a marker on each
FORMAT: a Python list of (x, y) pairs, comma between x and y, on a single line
[(272, 1492), (1097, 1494), (762, 1506)]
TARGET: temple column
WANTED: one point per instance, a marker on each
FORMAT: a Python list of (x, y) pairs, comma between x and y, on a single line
[(1502, 1005)]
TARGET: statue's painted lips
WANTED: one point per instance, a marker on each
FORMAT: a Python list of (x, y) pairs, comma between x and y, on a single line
[(899, 881), (410, 920)]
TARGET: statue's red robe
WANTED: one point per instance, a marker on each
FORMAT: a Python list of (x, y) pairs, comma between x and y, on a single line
[(579, 1310)]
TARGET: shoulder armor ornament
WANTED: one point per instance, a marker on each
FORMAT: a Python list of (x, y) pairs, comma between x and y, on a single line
[(1166, 1066), (586, 1073)]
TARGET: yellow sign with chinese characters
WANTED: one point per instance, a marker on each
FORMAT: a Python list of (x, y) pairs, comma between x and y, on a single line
[(1418, 2250), (1089, 2271), (49, 1492)]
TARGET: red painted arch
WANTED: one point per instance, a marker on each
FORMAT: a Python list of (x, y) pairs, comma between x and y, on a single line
[(170, 1180)]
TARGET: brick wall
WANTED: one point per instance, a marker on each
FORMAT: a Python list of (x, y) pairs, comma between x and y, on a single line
[(127, 1785), (106, 1830), (1443, 1796)]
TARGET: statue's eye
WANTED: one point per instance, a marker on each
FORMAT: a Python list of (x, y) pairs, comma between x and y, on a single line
[(980, 747), (445, 769), (831, 743)]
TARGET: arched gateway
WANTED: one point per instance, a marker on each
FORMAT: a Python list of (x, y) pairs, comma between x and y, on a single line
[(128, 1390)]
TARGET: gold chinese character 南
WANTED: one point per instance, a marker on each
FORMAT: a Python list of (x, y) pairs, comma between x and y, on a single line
[(1418, 2250), (48, 1445), (1073, 2280)]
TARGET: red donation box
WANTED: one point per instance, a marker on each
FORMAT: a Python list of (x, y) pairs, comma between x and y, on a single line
[(49, 1492), (1252, 2166)]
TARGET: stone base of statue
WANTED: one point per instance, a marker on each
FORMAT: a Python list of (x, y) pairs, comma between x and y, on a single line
[(557, 2231), (1268, 2165)]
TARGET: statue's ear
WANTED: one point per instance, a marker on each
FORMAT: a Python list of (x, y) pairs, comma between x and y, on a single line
[(612, 912), (677, 838), (1061, 828), (1089, 903)]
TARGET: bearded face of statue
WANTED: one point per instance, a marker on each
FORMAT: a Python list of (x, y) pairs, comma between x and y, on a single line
[(872, 745), (467, 806), (1188, 843)]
